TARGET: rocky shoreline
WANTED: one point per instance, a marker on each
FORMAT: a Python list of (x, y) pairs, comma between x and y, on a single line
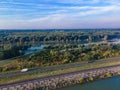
[(64, 80)]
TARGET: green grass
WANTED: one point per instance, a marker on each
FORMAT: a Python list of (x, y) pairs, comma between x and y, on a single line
[(23, 77)]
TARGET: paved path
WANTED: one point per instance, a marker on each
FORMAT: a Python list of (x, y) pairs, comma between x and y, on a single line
[(55, 76), (43, 69)]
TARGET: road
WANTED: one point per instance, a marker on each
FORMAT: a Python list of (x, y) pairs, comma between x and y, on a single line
[(43, 69), (54, 76)]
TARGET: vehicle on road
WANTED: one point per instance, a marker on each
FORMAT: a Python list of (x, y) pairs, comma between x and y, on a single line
[(24, 70)]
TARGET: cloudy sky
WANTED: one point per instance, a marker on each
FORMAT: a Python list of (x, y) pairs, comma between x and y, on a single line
[(45, 14)]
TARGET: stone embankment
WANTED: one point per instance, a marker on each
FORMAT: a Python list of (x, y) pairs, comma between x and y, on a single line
[(63, 80)]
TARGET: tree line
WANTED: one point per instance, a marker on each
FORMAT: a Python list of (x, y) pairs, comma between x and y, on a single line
[(43, 37)]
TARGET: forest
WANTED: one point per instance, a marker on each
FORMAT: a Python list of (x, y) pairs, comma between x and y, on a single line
[(15, 37), (60, 48)]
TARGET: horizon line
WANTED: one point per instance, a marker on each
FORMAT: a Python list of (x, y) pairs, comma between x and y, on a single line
[(60, 28)]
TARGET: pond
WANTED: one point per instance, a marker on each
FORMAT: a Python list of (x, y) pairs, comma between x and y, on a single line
[(33, 49), (106, 84)]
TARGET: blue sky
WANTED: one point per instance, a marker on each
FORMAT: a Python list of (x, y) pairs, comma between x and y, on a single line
[(45, 14)]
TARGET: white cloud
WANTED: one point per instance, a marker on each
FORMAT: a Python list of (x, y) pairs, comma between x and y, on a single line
[(61, 16), (101, 10), (78, 1)]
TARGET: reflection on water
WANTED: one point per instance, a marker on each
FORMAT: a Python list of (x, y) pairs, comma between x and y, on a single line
[(33, 49), (106, 84)]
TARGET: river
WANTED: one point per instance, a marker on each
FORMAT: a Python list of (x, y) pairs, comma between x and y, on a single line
[(33, 49), (38, 47), (106, 84)]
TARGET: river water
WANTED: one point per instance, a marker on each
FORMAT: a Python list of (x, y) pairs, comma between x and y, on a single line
[(38, 47), (106, 84), (33, 49)]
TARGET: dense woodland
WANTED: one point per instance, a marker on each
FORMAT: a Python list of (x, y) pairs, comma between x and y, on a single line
[(67, 48), (57, 36), (10, 51)]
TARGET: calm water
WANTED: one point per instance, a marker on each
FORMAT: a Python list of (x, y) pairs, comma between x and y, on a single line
[(33, 49), (106, 84)]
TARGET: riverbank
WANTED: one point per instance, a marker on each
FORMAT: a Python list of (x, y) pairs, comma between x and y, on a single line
[(64, 80)]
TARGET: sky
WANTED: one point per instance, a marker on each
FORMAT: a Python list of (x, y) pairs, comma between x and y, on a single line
[(59, 14)]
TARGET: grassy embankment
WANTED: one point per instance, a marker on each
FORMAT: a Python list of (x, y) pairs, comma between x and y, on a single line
[(23, 77)]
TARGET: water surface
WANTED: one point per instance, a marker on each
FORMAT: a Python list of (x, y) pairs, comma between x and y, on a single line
[(106, 84), (33, 49)]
